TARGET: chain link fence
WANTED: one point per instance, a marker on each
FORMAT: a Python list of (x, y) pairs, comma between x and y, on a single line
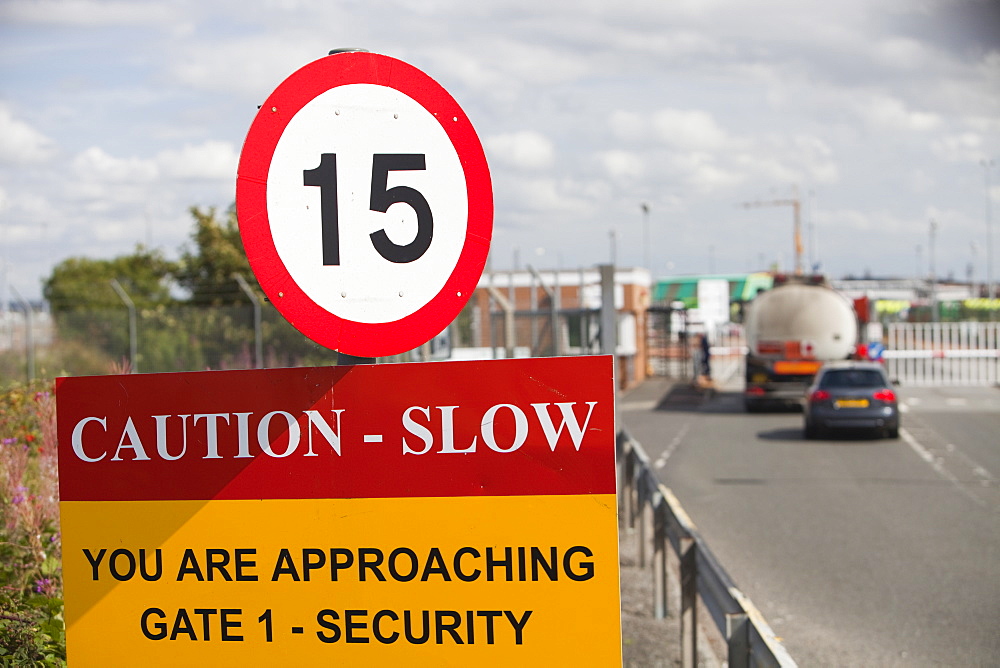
[(544, 333), (40, 343)]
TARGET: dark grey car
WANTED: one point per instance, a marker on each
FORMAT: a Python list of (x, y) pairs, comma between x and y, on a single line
[(851, 395)]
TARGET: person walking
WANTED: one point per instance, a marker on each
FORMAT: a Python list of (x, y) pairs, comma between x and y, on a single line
[(706, 356), (702, 358)]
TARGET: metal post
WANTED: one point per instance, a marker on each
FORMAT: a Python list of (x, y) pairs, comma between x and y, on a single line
[(533, 306), (133, 346), (628, 481), (689, 603), (508, 320), (934, 304), (659, 558), (640, 534), (645, 236), (990, 285), (556, 306), (738, 640), (258, 349), (609, 320), (553, 295), (489, 319), (29, 334), (584, 316)]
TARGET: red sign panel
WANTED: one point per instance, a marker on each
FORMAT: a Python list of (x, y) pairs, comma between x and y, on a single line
[(503, 427)]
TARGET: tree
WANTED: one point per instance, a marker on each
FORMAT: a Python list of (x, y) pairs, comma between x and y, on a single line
[(207, 269), (172, 336), (87, 310), (80, 283)]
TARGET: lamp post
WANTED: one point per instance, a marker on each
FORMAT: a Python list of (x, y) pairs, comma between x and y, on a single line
[(973, 252), (930, 254), (645, 236), (990, 286)]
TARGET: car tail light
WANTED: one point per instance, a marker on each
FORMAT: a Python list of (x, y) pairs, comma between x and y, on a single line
[(819, 395), (755, 391), (885, 395)]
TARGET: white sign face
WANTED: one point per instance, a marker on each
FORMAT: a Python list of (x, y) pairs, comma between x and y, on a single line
[(365, 204), (713, 301), (355, 123)]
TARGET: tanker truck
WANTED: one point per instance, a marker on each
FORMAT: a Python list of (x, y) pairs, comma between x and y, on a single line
[(791, 331)]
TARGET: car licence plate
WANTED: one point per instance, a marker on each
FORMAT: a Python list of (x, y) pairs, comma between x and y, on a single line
[(851, 403)]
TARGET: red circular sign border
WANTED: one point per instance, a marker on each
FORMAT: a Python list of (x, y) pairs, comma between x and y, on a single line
[(323, 327)]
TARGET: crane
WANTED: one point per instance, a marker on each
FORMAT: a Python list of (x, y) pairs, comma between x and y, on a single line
[(797, 230)]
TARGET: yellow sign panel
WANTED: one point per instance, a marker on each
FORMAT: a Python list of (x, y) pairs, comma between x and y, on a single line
[(196, 583)]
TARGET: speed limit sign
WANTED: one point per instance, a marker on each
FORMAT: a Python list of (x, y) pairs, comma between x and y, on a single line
[(364, 203)]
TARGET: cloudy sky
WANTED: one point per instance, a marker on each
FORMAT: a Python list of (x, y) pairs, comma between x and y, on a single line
[(116, 117)]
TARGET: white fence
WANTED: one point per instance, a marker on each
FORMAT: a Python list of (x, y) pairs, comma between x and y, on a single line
[(943, 353)]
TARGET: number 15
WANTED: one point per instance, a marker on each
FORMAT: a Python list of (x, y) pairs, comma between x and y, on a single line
[(325, 177)]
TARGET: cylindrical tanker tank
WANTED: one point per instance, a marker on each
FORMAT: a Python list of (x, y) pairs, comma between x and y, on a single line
[(791, 331), (812, 314)]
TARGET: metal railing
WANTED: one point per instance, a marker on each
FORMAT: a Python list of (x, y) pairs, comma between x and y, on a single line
[(641, 497)]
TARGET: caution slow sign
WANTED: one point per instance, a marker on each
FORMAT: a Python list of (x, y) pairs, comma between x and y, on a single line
[(437, 514)]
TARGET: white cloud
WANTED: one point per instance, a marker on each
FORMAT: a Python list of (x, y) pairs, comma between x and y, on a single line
[(20, 143), (534, 195), (628, 125), (621, 165), (887, 112), (964, 147), (95, 165), (905, 54), (252, 66), (688, 129), (702, 172), (817, 159), (210, 160), (85, 12), (524, 149)]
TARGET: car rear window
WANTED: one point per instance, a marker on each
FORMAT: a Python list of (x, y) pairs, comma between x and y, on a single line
[(852, 378)]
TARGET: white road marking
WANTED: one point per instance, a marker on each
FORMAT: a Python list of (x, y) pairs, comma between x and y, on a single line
[(661, 461), (937, 464)]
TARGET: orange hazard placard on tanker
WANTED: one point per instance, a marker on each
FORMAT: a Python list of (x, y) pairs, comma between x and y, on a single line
[(424, 514)]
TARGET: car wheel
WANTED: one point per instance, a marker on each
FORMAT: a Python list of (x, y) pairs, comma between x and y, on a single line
[(810, 431), (892, 432)]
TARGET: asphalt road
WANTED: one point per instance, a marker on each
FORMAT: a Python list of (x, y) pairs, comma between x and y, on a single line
[(859, 552)]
